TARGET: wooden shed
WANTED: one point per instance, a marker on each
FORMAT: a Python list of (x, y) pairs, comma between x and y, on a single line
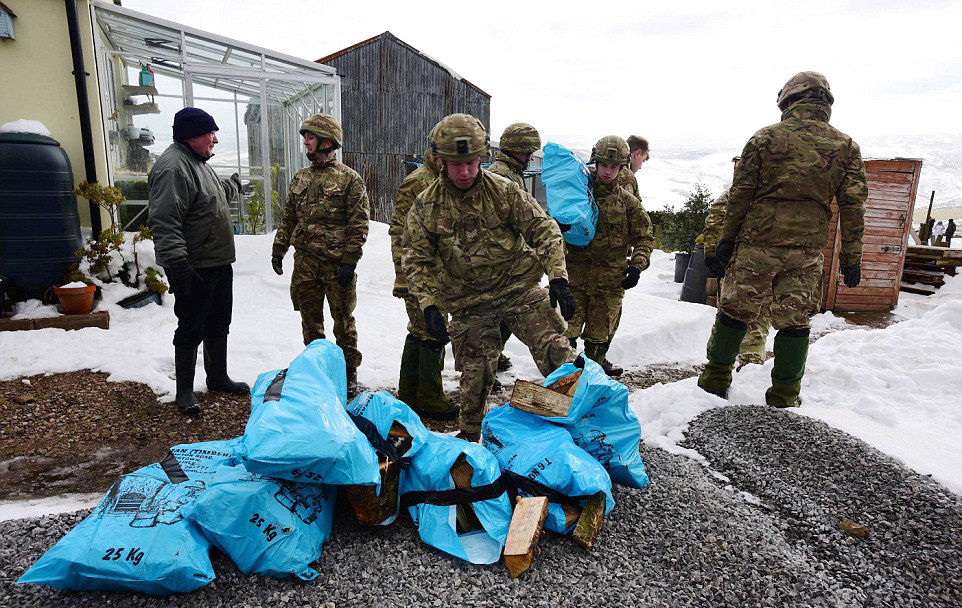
[(892, 185), (391, 96)]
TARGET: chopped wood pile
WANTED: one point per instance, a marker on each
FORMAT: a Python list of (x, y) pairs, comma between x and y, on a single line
[(927, 266)]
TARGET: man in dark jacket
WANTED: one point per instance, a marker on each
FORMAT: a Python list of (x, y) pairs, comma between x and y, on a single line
[(949, 232), (194, 243)]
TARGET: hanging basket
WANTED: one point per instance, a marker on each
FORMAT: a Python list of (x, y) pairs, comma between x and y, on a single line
[(76, 300)]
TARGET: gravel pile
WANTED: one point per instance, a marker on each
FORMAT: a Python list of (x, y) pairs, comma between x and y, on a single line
[(687, 540)]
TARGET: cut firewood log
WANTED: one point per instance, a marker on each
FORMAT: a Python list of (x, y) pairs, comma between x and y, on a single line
[(572, 513), (461, 474), (534, 398), (589, 524), (567, 385), (372, 508), (526, 525)]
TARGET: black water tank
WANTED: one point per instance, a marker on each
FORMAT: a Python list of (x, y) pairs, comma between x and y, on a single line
[(39, 225)]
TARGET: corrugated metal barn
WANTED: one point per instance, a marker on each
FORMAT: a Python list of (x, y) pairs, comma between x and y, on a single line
[(391, 96)]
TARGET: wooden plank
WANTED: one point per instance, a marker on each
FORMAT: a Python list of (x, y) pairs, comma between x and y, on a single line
[(906, 165), (16, 324), (100, 320), (916, 290), (524, 533), (534, 398), (567, 385), (589, 524), (461, 474)]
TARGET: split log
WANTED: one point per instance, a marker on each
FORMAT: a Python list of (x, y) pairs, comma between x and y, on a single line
[(372, 508), (567, 385), (461, 474), (534, 398), (524, 533), (572, 513), (589, 524)]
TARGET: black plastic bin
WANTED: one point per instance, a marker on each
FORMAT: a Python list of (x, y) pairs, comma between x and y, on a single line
[(695, 277), (681, 265)]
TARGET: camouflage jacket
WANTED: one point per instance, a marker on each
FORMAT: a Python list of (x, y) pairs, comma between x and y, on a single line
[(326, 213), (507, 167), (481, 237), (623, 231), (714, 223), (627, 180), (789, 173), (413, 184)]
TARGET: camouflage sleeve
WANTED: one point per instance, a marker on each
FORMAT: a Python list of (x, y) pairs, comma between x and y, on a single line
[(714, 223), (640, 235), (282, 240), (420, 258), (539, 231), (851, 196), (406, 193), (742, 192), (358, 217)]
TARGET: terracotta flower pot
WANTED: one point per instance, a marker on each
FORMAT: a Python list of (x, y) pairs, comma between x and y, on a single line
[(76, 300)]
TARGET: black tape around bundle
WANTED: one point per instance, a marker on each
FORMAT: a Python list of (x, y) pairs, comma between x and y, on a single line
[(171, 466), (380, 444), (273, 392), (519, 484), (508, 481)]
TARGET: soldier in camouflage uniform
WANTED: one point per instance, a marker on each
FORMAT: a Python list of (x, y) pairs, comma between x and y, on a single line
[(518, 142), (493, 246), (779, 207), (639, 154), (422, 359), (325, 219), (613, 261)]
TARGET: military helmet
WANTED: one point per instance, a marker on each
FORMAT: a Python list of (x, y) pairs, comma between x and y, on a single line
[(612, 150), (459, 137), (324, 126), (802, 83), (520, 137)]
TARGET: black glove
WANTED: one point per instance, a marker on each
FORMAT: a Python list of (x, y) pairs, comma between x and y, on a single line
[(563, 227), (852, 274), (559, 293), (631, 277), (236, 179), (716, 269), (277, 263), (723, 256), (434, 321), (345, 274), (182, 278)]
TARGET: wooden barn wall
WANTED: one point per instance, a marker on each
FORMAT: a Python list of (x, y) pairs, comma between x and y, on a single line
[(391, 97)]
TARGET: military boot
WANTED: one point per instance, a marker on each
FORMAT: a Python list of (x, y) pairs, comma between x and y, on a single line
[(791, 351), (504, 363), (215, 364), (596, 351), (407, 386), (431, 400), (185, 360), (726, 339)]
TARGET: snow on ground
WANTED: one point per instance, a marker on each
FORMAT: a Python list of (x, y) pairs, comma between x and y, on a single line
[(68, 503), (896, 388)]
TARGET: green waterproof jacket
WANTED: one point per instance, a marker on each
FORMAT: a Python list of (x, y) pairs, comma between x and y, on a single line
[(188, 213), (789, 173), (326, 213), (493, 241)]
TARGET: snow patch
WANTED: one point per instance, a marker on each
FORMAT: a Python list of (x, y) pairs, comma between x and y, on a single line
[(23, 125)]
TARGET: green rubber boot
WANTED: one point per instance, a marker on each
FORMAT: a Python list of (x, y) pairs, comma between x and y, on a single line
[(407, 386), (596, 351), (791, 351), (431, 400), (723, 345)]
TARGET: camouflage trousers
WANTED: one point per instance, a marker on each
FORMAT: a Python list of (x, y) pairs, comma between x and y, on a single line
[(597, 315), (790, 278), (753, 346), (314, 280), (476, 337)]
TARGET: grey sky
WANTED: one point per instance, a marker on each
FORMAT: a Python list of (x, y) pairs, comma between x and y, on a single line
[(678, 71)]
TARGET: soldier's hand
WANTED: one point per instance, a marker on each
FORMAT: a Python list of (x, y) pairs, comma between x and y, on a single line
[(182, 278), (560, 293), (715, 267), (434, 321), (631, 277), (400, 288), (724, 251), (235, 177), (852, 274), (277, 263), (345, 274)]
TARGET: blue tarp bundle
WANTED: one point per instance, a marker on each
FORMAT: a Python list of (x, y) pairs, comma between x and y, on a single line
[(428, 480), (137, 538), (540, 459), (567, 185), (299, 429), (601, 422), (267, 526)]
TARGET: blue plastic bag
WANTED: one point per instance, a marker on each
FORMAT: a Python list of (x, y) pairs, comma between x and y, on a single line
[(268, 526), (531, 449), (567, 186), (601, 423), (429, 477), (299, 429), (137, 538)]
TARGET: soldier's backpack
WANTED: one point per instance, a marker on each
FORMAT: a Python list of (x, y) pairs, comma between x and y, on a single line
[(137, 537), (567, 185), (539, 458)]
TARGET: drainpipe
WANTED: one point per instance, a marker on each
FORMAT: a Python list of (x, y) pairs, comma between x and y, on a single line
[(83, 105)]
